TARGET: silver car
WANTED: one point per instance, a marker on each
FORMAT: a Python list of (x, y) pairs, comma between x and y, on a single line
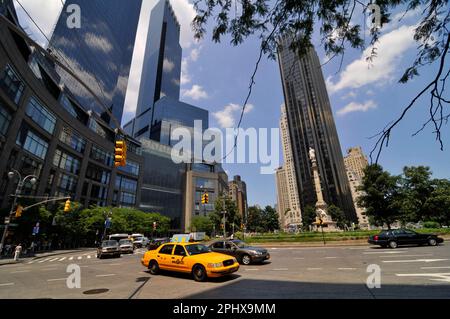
[(126, 246), (108, 248)]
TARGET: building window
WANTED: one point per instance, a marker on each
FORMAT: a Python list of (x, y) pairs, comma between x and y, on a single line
[(11, 84), (101, 156), (67, 162), (204, 183), (97, 174), (99, 192), (72, 139), (67, 184), (71, 107), (127, 199), (94, 126), (31, 142), (126, 184), (5, 119), (41, 115), (130, 167)]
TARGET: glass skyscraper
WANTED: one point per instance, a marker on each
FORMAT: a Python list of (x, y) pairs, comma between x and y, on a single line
[(311, 124), (99, 52)]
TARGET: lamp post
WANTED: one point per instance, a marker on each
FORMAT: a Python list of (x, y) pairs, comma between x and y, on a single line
[(33, 180), (107, 223)]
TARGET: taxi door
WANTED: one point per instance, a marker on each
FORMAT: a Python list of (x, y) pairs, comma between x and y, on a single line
[(178, 259), (164, 256)]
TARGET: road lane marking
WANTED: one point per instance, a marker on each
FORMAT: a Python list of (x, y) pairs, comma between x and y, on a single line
[(443, 267), (30, 262), (107, 275), (48, 269), (347, 268), (62, 259), (406, 256), (80, 257), (19, 271), (414, 261), (54, 259), (89, 257), (330, 257), (445, 277), (71, 258), (384, 252), (44, 260), (280, 269), (7, 284), (57, 279)]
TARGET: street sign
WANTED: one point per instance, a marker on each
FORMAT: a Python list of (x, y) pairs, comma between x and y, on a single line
[(108, 223), (7, 220)]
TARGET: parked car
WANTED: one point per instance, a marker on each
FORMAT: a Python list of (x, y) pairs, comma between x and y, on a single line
[(108, 248), (139, 240), (244, 253), (155, 243), (396, 237), (126, 246), (193, 258)]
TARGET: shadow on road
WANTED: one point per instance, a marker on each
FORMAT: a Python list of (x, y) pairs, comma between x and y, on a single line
[(189, 276), (273, 289)]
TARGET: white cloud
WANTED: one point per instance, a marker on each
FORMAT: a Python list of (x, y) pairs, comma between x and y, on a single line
[(97, 42), (391, 48), (44, 12), (226, 117), (168, 65), (196, 93), (185, 77), (195, 53), (351, 94), (357, 107), (185, 13)]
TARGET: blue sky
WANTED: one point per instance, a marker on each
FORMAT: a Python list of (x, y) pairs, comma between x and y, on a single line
[(363, 98)]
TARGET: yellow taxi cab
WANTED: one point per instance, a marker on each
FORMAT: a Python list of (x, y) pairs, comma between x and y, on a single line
[(189, 257)]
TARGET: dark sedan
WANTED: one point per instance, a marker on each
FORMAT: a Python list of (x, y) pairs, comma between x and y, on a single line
[(244, 253), (396, 237)]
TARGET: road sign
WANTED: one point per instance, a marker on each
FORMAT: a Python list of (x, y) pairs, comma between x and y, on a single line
[(7, 220), (108, 223)]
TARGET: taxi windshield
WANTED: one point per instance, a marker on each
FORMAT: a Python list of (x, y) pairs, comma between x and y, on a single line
[(196, 249)]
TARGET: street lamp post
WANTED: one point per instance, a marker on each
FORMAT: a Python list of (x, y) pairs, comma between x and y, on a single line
[(33, 180), (107, 223)]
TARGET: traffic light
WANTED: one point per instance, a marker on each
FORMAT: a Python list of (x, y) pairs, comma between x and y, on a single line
[(205, 198), (120, 152), (67, 206), (19, 211)]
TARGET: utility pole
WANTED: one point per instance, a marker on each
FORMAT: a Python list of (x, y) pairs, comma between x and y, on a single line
[(224, 224)]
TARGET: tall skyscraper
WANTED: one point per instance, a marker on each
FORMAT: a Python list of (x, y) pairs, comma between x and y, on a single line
[(161, 70), (356, 161), (237, 189), (311, 124), (99, 52), (7, 9), (282, 196), (291, 179)]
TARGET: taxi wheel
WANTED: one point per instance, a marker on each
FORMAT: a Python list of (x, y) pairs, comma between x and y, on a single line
[(153, 267), (199, 273)]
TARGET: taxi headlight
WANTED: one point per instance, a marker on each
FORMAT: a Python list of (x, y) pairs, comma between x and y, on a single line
[(215, 265)]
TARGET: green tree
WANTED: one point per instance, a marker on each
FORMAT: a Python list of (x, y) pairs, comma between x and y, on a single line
[(415, 188), (254, 218), (437, 204), (380, 195), (338, 216), (308, 217), (270, 218), (202, 224), (225, 203)]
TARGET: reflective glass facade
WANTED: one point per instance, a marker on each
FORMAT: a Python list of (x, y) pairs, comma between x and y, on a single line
[(99, 52), (162, 66), (163, 183)]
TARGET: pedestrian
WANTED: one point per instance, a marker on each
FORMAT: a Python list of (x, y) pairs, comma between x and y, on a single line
[(17, 252)]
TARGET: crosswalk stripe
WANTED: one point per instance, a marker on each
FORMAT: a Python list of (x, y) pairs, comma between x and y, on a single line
[(89, 257), (71, 258), (54, 259), (62, 259), (80, 257), (44, 260)]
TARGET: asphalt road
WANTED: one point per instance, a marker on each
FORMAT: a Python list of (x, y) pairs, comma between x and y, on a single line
[(327, 272)]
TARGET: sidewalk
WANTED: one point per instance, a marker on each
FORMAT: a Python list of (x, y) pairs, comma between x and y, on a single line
[(9, 261)]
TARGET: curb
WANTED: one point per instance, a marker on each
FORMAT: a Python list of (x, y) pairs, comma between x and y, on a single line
[(39, 257)]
